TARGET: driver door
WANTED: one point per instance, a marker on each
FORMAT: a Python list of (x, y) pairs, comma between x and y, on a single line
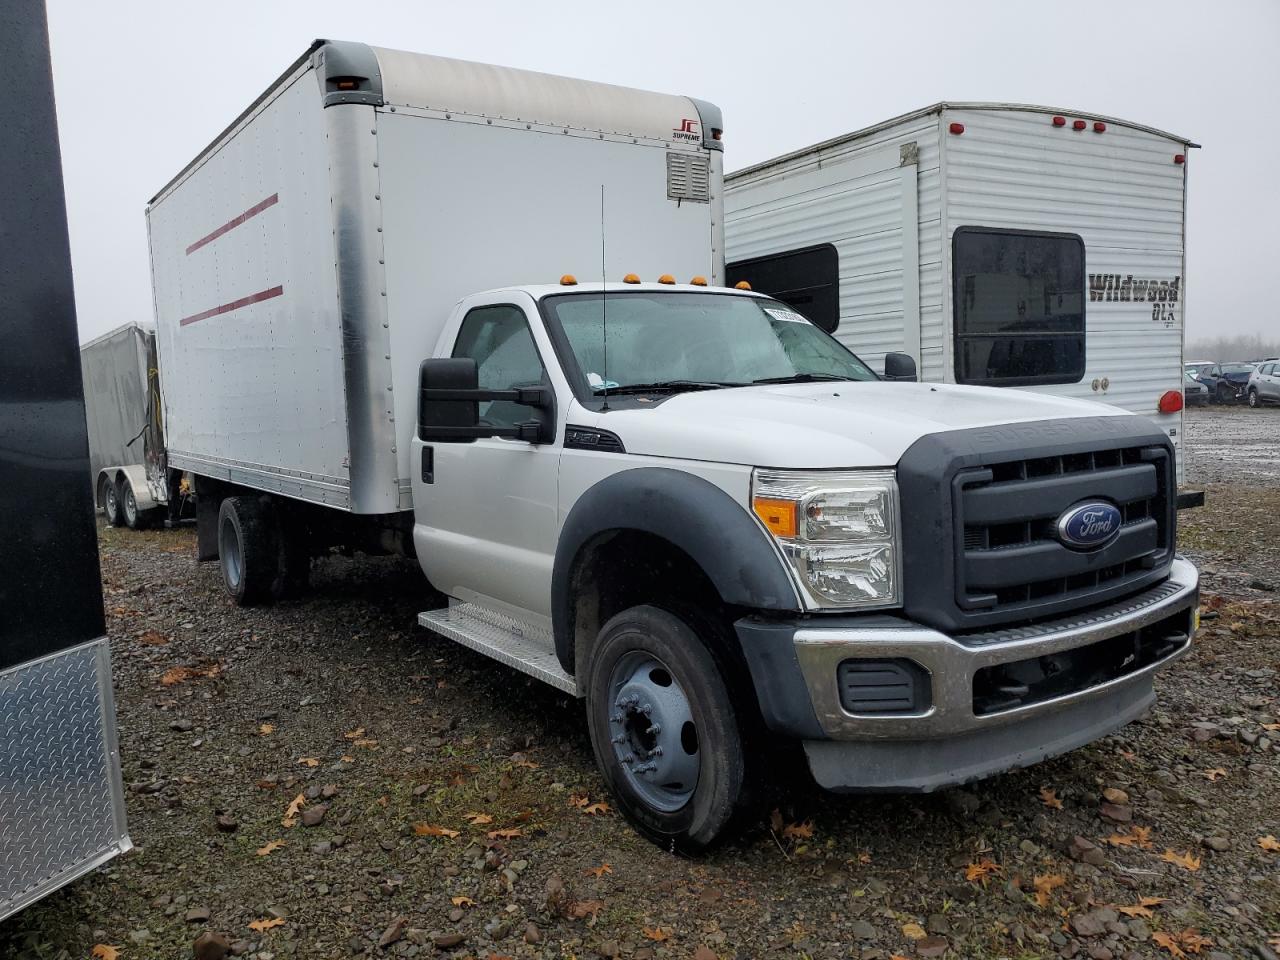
[(485, 519)]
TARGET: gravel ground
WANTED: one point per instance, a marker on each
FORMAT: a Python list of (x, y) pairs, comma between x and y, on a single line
[(1147, 843), (1232, 445)]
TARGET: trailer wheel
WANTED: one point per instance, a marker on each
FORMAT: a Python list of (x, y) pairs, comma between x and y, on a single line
[(664, 729), (111, 504), (248, 551), (134, 518)]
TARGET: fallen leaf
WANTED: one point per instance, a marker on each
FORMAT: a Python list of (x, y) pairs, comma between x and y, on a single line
[(596, 808), (266, 923), (508, 834), (430, 830), (585, 908), (527, 764), (153, 639), (1193, 941), (1184, 860), (1143, 907), (1164, 940), (864, 857), (981, 870), (657, 934), (1271, 727), (1115, 795), (347, 759), (913, 931), (798, 831), (600, 871), (291, 812), (1143, 834), (1050, 798), (477, 819), (1136, 837), (576, 800), (462, 902), (310, 761), (1269, 843), (267, 728), (102, 951), (1217, 773), (355, 734), (269, 847), (1045, 885), (364, 742)]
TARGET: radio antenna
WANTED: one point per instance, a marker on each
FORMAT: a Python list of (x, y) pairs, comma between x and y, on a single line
[(604, 309)]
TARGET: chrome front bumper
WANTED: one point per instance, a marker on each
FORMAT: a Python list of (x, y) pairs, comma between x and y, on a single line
[(952, 664)]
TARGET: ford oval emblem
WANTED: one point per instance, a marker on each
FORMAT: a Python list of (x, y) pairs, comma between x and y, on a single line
[(1089, 525)]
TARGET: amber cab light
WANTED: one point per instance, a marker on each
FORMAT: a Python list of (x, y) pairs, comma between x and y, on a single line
[(630, 278), (568, 280), (742, 285), (698, 282), (666, 278), (1170, 401)]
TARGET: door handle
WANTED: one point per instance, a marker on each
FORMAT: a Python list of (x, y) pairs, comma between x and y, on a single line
[(428, 465)]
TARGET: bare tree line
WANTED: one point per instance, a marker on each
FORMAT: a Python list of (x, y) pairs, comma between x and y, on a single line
[(1244, 347)]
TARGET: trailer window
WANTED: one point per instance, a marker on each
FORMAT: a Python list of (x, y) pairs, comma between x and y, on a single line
[(499, 340), (807, 279), (1018, 306)]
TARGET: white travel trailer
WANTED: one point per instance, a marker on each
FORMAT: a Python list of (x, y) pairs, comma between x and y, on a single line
[(998, 244)]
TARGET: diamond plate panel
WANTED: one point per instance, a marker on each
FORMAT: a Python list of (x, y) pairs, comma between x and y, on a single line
[(517, 644), (61, 802)]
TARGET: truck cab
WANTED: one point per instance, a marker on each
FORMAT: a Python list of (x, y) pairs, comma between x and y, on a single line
[(704, 515)]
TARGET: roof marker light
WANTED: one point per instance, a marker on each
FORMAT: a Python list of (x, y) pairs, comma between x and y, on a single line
[(630, 278), (1170, 401), (956, 128), (1078, 125), (1179, 158), (666, 278), (698, 282), (1059, 121), (568, 280), (1099, 127), (742, 285)]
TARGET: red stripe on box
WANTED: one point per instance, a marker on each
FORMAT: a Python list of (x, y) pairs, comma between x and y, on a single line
[(253, 211), (233, 305)]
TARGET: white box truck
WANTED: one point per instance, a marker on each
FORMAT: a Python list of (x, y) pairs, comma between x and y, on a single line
[(998, 244), (683, 502)]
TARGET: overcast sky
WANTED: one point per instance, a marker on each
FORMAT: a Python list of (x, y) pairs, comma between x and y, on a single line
[(143, 86)]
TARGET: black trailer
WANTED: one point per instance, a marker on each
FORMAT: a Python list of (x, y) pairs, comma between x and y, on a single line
[(61, 802)]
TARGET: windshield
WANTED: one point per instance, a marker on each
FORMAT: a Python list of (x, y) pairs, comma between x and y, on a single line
[(681, 341)]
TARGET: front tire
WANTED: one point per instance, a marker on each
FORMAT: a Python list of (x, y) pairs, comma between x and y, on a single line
[(1253, 399), (664, 730), (248, 551)]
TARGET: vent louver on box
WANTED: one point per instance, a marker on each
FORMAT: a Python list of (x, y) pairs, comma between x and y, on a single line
[(688, 177)]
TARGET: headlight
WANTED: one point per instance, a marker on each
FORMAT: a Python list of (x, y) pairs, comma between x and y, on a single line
[(839, 531)]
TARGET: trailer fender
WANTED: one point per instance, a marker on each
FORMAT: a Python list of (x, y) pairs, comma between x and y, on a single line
[(690, 513), (136, 476)]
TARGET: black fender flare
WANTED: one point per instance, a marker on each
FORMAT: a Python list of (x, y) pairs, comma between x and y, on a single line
[(693, 515)]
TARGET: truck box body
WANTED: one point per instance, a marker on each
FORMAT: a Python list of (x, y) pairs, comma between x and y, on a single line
[(883, 215), (304, 264)]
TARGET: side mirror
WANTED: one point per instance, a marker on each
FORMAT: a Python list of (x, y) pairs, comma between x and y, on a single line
[(899, 366), (449, 400)]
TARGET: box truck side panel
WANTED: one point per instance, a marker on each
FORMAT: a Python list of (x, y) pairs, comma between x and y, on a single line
[(247, 305), (875, 198), (536, 218), (1121, 193)]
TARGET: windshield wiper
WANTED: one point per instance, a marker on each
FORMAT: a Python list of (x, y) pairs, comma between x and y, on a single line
[(665, 386), (802, 378)]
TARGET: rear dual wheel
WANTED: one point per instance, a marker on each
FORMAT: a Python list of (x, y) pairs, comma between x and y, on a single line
[(665, 731), (260, 563)]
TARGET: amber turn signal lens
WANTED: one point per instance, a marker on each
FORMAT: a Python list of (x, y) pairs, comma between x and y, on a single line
[(778, 515)]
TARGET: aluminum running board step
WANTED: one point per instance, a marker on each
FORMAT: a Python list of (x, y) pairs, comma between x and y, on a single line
[(517, 644)]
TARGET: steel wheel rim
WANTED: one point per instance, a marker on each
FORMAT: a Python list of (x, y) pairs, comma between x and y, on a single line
[(109, 501), (130, 506), (652, 731), (229, 552)]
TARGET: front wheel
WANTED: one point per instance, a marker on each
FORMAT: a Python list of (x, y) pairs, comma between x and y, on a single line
[(664, 730), (1253, 399)]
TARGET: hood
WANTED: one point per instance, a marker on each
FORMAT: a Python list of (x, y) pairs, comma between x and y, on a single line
[(1238, 377), (822, 425)]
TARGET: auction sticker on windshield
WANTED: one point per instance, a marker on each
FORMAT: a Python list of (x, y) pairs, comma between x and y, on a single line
[(790, 316)]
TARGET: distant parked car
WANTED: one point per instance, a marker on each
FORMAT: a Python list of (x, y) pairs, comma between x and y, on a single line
[(1264, 384), (1197, 367), (1194, 393), (1226, 381)]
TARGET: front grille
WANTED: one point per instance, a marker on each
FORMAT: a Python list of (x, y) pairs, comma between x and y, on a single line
[(1009, 557), (1022, 683)]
